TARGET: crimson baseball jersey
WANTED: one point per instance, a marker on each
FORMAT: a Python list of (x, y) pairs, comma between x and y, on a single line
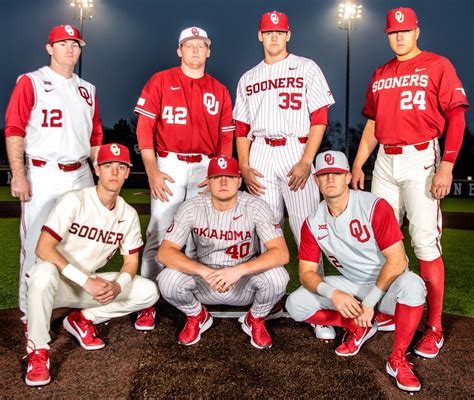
[(58, 117), (277, 100), (192, 116), (409, 99), (89, 233), (224, 238), (353, 240)]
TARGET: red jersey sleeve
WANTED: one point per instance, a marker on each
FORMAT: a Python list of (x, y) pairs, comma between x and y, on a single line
[(19, 107), (456, 122), (369, 107), (320, 116), (97, 132), (227, 126), (386, 229), (451, 92), (309, 249), (241, 129), (148, 110)]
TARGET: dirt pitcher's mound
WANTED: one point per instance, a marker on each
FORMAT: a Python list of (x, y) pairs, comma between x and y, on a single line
[(224, 365)]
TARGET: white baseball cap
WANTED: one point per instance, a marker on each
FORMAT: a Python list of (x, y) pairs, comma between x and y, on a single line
[(193, 32), (331, 161)]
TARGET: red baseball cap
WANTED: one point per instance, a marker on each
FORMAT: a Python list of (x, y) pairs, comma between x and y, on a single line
[(331, 161), (113, 152), (65, 32), (274, 21), (223, 165), (401, 19)]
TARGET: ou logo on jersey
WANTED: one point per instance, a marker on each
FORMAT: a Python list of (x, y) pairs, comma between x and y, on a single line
[(399, 16), (329, 158), (274, 18), (85, 95), (211, 104), (360, 232), (115, 150)]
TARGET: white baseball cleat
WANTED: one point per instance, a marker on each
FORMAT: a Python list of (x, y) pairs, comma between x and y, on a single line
[(324, 332)]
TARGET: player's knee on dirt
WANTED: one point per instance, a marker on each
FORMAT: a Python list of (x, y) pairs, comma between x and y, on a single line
[(301, 304), (412, 290), (43, 276)]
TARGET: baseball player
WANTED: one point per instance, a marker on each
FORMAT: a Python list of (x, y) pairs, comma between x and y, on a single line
[(281, 113), (410, 102), (226, 226), (53, 122), (184, 119), (81, 234), (359, 234)]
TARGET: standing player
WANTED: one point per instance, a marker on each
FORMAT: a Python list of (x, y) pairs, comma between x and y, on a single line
[(359, 234), (184, 119), (226, 226), (53, 121), (81, 234), (410, 102), (281, 113)]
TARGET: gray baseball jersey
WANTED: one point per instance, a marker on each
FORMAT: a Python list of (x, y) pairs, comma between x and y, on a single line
[(353, 240), (224, 238)]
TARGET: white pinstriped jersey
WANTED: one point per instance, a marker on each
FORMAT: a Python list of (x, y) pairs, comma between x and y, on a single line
[(62, 119), (89, 233), (276, 100), (353, 240), (224, 238)]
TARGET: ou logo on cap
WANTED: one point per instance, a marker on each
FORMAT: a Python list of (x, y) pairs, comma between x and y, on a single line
[(399, 16), (329, 158), (69, 30), (222, 163), (195, 31), (115, 150), (274, 18)]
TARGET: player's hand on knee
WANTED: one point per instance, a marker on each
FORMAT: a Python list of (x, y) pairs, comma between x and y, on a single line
[(20, 187), (158, 187), (250, 176), (110, 293), (96, 286), (364, 319), (346, 304), (357, 180), (223, 279), (441, 184), (299, 175)]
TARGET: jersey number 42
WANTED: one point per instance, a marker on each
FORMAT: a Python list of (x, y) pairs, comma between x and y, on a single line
[(175, 115)]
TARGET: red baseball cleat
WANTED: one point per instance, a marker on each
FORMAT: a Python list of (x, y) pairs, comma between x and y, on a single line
[(83, 330), (255, 328), (385, 322), (430, 343), (146, 319), (195, 325), (37, 373), (355, 341), (402, 371)]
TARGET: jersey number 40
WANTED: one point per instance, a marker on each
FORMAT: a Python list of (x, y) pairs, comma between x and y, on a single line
[(238, 251)]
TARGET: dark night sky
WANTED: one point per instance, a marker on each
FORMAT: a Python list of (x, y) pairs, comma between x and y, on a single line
[(128, 40)]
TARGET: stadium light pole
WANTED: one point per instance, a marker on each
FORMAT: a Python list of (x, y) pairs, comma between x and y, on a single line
[(84, 8), (348, 13)]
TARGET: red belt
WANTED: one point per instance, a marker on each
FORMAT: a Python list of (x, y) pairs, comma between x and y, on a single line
[(282, 141), (64, 167), (399, 149), (195, 158)]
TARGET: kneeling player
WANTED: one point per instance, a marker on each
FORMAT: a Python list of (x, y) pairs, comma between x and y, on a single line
[(360, 235), (82, 233), (226, 226)]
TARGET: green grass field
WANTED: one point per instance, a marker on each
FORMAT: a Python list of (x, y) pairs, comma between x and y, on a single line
[(459, 294)]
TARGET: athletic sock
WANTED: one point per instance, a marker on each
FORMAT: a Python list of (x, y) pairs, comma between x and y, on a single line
[(331, 318), (432, 272), (407, 319)]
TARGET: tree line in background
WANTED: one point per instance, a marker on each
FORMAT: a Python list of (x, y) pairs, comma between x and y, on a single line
[(124, 132)]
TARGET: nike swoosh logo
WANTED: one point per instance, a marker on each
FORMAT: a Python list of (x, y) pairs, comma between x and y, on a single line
[(82, 334), (439, 344), (201, 324), (450, 151), (292, 68), (122, 220), (321, 237), (48, 90), (419, 69), (236, 218), (428, 167), (358, 342), (175, 88)]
